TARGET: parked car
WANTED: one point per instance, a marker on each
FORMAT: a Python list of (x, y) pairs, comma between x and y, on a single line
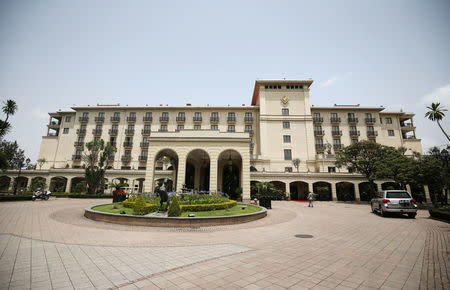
[(394, 201)]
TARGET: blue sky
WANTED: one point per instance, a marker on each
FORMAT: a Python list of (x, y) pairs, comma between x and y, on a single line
[(54, 54)]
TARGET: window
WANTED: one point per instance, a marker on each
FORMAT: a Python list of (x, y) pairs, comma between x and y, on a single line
[(335, 128), (112, 140), (163, 128), (337, 142), (287, 138), (285, 112), (214, 127), (165, 114), (85, 114), (318, 129), (248, 115), (287, 154), (115, 127), (316, 115), (351, 115), (197, 114), (144, 139), (83, 127), (231, 128), (130, 127), (286, 125), (353, 141), (132, 114), (368, 115), (391, 132), (101, 115), (370, 129), (127, 152), (116, 114), (98, 127), (68, 118), (97, 138), (334, 115), (288, 169), (147, 127), (319, 141), (66, 131), (231, 117), (144, 153), (81, 139), (248, 128), (197, 127), (128, 139), (388, 120), (331, 169), (148, 114), (181, 114), (180, 127)]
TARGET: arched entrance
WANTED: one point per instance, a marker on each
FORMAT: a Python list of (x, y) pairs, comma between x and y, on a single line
[(280, 186), (38, 182), (5, 182), (323, 190), (78, 185), (22, 183), (58, 184), (197, 170), (298, 190), (345, 191), (169, 184), (166, 166), (365, 192), (390, 185), (229, 173)]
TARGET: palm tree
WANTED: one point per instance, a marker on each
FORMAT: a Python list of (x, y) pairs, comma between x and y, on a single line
[(9, 108), (436, 113)]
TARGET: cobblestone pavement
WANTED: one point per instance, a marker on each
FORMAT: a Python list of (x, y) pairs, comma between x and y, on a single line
[(53, 245)]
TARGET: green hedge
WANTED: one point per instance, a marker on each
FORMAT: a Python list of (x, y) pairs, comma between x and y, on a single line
[(440, 213), (14, 197), (141, 210)]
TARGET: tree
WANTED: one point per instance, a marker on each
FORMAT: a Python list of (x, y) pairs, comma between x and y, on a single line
[(96, 161), (396, 166), (267, 190), (436, 113), (41, 162), (296, 163), (13, 154), (3, 161), (363, 157), (9, 108)]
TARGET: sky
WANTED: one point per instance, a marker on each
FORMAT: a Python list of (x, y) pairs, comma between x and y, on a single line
[(56, 54)]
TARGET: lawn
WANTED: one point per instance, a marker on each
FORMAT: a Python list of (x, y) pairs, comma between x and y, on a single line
[(110, 208), (235, 210)]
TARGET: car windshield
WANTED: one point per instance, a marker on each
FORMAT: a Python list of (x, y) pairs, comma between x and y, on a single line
[(398, 194)]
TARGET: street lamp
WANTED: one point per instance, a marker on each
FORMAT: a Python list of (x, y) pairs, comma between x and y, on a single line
[(18, 174)]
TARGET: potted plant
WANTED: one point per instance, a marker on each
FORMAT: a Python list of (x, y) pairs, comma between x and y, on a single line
[(266, 191)]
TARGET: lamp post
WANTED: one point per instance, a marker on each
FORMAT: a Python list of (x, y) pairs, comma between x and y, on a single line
[(20, 163), (444, 154)]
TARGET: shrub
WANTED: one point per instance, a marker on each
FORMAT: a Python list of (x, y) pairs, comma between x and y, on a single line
[(119, 195), (440, 213), (139, 206), (208, 207), (174, 208)]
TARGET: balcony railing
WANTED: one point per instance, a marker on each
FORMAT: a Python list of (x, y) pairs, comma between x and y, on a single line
[(115, 119), (197, 119), (145, 131), (126, 158), (231, 130), (214, 119), (78, 144), (81, 131), (250, 132), (319, 147), (354, 133), (144, 144), (162, 130), (248, 119), (319, 133), (336, 133), (127, 144), (97, 131), (335, 120), (231, 119), (164, 119), (181, 119), (147, 119), (338, 146), (317, 119), (99, 119), (129, 131), (352, 120), (76, 157), (143, 158), (370, 120), (83, 119), (55, 123), (131, 119), (372, 133), (113, 131)]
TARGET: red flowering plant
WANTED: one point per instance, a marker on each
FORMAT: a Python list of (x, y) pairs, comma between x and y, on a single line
[(119, 194)]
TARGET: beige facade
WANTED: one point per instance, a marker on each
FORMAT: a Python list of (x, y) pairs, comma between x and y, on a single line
[(212, 148)]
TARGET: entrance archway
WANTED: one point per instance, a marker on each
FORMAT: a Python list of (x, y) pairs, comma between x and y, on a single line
[(229, 173), (169, 184), (345, 191), (38, 182), (166, 166), (298, 190), (323, 190), (5, 182), (58, 184), (365, 192), (78, 185), (197, 170), (281, 186)]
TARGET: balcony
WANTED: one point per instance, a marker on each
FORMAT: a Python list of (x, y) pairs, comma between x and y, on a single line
[(145, 144), (113, 131), (372, 134), (78, 144), (197, 119), (338, 146), (335, 120), (145, 131), (97, 131), (162, 130), (129, 131), (143, 158), (83, 119), (126, 158), (76, 157), (54, 124), (127, 144), (354, 133), (352, 120), (248, 119), (115, 119), (147, 119), (181, 119), (336, 133), (131, 119), (319, 133), (231, 119), (164, 119), (214, 119), (99, 119), (250, 132), (317, 119), (320, 147), (370, 120), (81, 131)]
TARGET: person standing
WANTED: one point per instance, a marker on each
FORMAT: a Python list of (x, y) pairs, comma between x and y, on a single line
[(310, 199)]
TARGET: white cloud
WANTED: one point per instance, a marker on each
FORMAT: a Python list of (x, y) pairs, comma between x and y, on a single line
[(440, 95)]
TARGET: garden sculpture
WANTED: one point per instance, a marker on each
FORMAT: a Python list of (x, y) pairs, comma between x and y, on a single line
[(163, 196)]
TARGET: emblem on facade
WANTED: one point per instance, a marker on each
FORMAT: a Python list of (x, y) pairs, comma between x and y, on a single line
[(285, 100)]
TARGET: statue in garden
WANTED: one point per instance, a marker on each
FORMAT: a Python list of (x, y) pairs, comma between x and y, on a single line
[(163, 195)]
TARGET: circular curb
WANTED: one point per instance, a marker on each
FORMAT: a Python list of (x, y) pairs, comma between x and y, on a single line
[(152, 221)]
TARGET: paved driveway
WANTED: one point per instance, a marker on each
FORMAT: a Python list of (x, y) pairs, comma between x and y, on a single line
[(51, 245)]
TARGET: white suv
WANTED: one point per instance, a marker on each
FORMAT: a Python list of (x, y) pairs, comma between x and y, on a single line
[(394, 201)]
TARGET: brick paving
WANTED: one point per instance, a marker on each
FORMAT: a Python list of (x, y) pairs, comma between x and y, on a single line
[(51, 245)]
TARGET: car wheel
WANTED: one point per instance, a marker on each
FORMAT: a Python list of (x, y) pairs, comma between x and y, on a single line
[(46, 197), (412, 215), (33, 198), (372, 207), (382, 212)]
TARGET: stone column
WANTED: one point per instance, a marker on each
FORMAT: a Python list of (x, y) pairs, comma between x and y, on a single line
[(181, 172), (333, 192), (47, 182), (288, 190), (408, 188), (68, 184), (213, 173), (427, 194), (357, 196), (310, 187), (379, 188), (245, 175), (149, 173)]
